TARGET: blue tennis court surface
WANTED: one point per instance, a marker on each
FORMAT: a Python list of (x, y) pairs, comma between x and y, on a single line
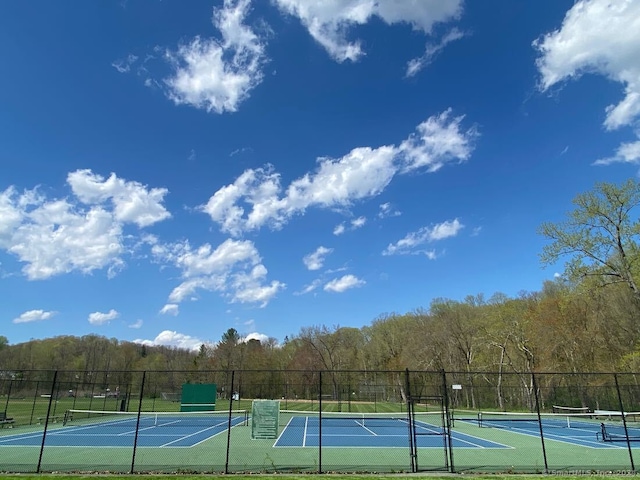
[(165, 432), (304, 432), (573, 430)]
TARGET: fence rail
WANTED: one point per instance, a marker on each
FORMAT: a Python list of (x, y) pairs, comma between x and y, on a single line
[(318, 421)]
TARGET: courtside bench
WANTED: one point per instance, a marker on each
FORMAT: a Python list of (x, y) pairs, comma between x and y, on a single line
[(4, 420)]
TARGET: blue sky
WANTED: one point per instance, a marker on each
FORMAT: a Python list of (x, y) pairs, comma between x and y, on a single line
[(173, 169)]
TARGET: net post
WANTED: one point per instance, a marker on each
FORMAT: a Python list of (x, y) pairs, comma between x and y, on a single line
[(624, 421), (226, 460), (46, 421), (537, 399), (135, 437)]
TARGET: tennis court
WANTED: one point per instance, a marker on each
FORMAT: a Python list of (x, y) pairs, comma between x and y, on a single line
[(118, 429), (385, 431), (602, 430)]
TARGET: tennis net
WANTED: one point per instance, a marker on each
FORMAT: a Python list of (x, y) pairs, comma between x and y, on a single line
[(532, 420), (359, 419), (566, 409), (156, 419)]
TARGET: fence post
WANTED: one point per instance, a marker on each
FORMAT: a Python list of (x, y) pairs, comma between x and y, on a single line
[(624, 421), (35, 398), (226, 461), (447, 420), (320, 421), (46, 421), (412, 449), (537, 398), (135, 438), (6, 405)]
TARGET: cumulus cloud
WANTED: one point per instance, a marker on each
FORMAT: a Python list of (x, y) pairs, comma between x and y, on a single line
[(439, 140), (132, 202), (626, 153), (34, 316), (261, 337), (315, 260), (233, 269), (258, 199), (329, 23), (339, 229), (81, 233), (339, 285), (218, 74), (99, 318), (387, 210), (171, 338), (603, 37), (137, 324), (410, 243), (170, 309), (358, 222)]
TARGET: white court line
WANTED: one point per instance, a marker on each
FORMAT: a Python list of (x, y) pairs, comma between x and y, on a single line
[(187, 436), (304, 434), (147, 428), (367, 429), (284, 430)]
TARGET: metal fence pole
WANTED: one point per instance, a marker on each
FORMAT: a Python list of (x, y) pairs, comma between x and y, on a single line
[(135, 438), (35, 399), (226, 462), (447, 420), (537, 399), (624, 421), (412, 449), (46, 421), (320, 421)]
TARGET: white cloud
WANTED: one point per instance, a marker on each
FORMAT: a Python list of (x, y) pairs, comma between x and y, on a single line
[(439, 141), (34, 316), (386, 210), (132, 202), (123, 65), (358, 222), (597, 36), (170, 309), (315, 260), (217, 75), (81, 233), (329, 22), (257, 199), (431, 51), (408, 244), (171, 338), (626, 153), (233, 269), (261, 337), (339, 285), (99, 318), (138, 324), (339, 229), (309, 288)]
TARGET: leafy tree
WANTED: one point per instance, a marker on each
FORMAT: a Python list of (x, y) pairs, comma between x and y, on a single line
[(600, 236)]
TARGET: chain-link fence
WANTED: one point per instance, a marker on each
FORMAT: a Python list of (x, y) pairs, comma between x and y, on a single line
[(318, 421)]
